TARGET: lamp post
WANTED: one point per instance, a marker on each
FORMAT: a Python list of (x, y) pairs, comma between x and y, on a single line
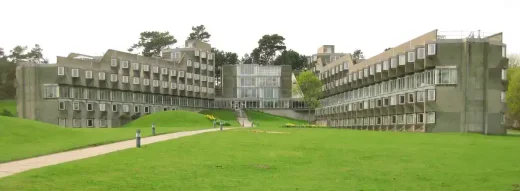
[(138, 138)]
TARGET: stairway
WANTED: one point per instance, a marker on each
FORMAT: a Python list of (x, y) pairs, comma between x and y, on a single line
[(242, 118)]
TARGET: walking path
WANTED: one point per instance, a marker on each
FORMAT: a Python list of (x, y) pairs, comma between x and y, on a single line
[(10, 168)]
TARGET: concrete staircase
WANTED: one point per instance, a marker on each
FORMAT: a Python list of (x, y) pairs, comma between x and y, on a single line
[(242, 118)]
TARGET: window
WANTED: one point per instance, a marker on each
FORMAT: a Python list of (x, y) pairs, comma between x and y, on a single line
[(401, 99), (420, 96), (102, 107), (385, 65), (411, 97), (155, 83), (61, 105), (62, 122), (372, 70), (372, 104), (76, 122), (75, 73), (113, 77), (378, 120), (146, 82), (394, 119), (402, 60), (146, 68), (126, 108), (400, 119), (61, 71), (411, 56), (420, 118), (155, 69), (421, 53), (504, 53), (135, 66), (393, 100), (446, 75), (164, 71), (136, 80), (410, 118), (102, 123), (88, 74), (146, 109), (378, 67), (114, 107), (125, 79), (51, 91), (431, 49), (504, 74), (173, 72), (101, 76), (75, 106), (90, 107), (393, 62), (124, 64), (136, 109), (385, 102), (503, 96), (113, 62), (379, 103), (430, 117), (90, 122), (431, 95)]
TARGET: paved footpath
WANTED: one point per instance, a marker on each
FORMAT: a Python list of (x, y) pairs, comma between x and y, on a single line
[(10, 168)]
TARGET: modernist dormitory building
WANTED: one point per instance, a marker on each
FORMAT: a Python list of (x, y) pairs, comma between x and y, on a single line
[(111, 90), (433, 83)]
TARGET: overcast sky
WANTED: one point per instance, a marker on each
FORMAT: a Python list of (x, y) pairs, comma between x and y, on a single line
[(93, 26)]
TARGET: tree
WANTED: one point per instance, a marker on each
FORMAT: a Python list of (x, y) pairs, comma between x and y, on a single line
[(386, 49), (18, 53), (309, 86), (153, 42), (199, 33), (292, 58), (267, 48), (223, 58), (513, 89), (246, 59), (357, 55)]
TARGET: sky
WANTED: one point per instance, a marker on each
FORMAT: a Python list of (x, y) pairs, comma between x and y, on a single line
[(91, 27)]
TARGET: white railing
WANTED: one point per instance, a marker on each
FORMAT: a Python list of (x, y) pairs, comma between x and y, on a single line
[(462, 34)]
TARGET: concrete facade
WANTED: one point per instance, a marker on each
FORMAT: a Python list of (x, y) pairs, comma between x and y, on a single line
[(111, 90), (433, 83)]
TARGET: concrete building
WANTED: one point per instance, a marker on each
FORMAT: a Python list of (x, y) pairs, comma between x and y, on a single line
[(436, 82), (326, 54), (111, 90), (260, 87)]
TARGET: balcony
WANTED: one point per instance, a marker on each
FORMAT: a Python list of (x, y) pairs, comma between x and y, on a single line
[(197, 65), (203, 66)]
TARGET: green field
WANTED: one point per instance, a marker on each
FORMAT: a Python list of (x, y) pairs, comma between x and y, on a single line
[(268, 120), (9, 105), (223, 114), (21, 138), (299, 159)]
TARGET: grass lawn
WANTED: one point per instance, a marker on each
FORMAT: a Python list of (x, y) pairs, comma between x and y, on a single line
[(224, 114), (299, 159), (9, 105), (268, 120), (20, 138)]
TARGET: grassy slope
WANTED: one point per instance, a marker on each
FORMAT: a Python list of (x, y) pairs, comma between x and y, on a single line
[(224, 114), (10, 105), (268, 120), (21, 138), (304, 159)]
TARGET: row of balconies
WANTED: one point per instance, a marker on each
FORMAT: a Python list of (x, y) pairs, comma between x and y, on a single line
[(409, 98), (204, 54), (404, 119), (393, 62), (154, 69)]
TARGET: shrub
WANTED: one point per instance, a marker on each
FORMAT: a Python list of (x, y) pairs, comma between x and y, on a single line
[(6, 113), (213, 118)]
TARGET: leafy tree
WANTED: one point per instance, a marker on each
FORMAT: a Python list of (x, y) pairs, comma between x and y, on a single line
[(18, 53), (309, 86), (153, 42), (513, 89), (267, 48), (292, 58), (199, 33), (357, 55), (386, 49), (246, 59), (223, 58)]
